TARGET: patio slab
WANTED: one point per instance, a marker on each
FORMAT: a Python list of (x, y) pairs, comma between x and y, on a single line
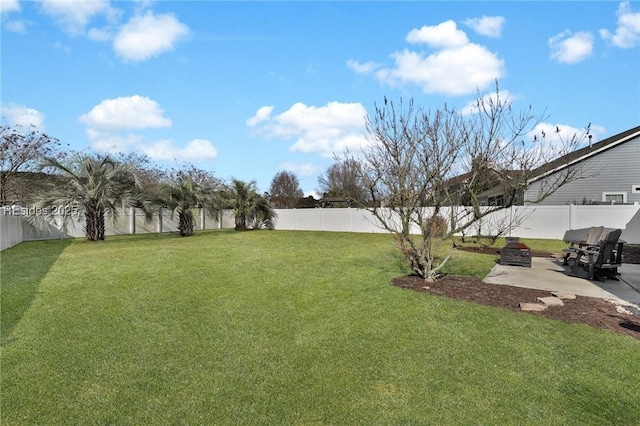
[(550, 274)]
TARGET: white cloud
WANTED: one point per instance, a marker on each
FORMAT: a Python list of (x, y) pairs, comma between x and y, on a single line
[(362, 68), (571, 48), (16, 26), (109, 123), (20, 115), (196, 150), (490, 26), (457, 71), (553, 143), (330, 129), (144, 36), (306, 169), (627, 34), (99, 34), (162, 150), (113, 142), (444, 35), (149, 35), (505, 98), (7, 6), (315, 194), (457, 67), (263, 114), (74, 16), (130, 112)]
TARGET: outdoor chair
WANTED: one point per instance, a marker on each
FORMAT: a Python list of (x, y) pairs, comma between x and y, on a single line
[(593, 238), (604, 259)]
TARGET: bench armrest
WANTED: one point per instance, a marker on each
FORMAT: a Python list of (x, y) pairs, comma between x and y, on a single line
[(586, 251)]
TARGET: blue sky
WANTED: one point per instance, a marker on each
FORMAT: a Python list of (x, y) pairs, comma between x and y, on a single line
[(246, 89)]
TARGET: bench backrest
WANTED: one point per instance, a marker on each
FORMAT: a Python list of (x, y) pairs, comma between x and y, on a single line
[(594, 235), (607, 246)]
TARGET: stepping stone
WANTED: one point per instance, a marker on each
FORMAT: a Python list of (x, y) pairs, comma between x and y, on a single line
[(564, 296), (621, 310), (551, 301), (532, 307)]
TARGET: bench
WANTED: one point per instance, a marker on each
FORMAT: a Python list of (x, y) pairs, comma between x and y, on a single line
[(594, 234), (603, 259)]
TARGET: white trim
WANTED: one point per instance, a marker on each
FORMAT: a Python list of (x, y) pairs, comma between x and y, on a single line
[(635, 189), (585, 156), (623, 193)]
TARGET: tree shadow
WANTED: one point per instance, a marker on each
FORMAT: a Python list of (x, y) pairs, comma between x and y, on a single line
[(630, 326), (22, 269)]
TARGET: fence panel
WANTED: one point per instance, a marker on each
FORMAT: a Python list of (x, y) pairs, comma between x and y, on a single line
[(306, 220), (364, 221), (338, 220), (286, 219), (539, 221), (11, 232), (613, 216)]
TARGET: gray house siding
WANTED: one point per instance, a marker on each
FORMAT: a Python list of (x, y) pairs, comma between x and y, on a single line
[(616, 170)]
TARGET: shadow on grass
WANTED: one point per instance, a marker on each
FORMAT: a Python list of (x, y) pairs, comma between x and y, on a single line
[(23, 268)]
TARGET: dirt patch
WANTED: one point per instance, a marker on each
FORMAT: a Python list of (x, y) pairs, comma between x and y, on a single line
[(585, 310)]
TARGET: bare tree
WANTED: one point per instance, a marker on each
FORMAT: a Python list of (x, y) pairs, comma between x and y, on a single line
[(22, 149), (285, 191), (150, 173), (418, 163), (344, 180)]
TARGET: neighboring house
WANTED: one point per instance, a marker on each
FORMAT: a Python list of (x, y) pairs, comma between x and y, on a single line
[(609, 173), (493, 196)]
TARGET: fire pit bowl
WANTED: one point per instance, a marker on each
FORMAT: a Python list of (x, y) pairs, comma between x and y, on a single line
[(516, 254)]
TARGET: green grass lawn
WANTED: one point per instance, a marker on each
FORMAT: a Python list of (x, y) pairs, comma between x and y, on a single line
[(279, 327)]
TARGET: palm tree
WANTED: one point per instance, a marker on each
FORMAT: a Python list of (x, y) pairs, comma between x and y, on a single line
[(92, 186), (185, 194), (249, 207)]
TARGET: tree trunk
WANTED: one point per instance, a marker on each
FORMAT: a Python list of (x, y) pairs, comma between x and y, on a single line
[(101, 227), (94, 224), (186, 220), (241, 222)]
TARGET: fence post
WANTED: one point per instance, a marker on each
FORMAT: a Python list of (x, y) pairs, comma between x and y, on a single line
[(132, 220), (160, 221), (202, 219), (351, 213), (571, 213)]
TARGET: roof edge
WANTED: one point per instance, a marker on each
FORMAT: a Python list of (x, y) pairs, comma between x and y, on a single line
[(590, 151)]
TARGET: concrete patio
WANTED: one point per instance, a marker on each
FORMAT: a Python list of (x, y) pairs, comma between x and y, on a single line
[(550, 274)]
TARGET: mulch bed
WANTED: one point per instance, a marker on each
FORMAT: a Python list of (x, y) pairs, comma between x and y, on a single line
[(585, 310)]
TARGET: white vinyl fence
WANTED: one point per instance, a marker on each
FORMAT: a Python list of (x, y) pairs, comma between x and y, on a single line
[(11, 232), (549, 222), (14, 227)]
